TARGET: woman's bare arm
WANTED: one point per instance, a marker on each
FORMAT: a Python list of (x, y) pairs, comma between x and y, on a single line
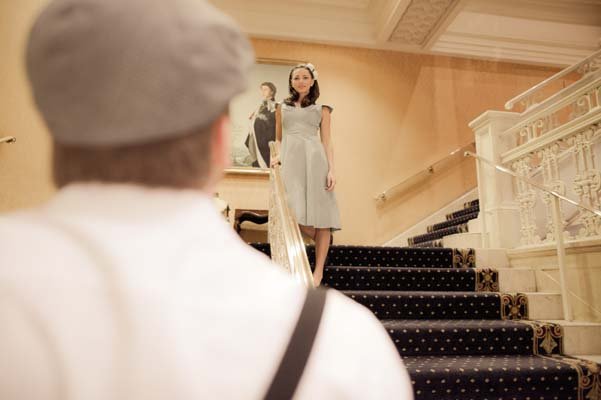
[(326, 140)]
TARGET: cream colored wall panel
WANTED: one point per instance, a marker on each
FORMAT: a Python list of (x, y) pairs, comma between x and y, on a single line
[(25, 165)]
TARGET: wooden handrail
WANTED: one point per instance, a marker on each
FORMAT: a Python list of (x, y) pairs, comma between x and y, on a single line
[(422, 175)]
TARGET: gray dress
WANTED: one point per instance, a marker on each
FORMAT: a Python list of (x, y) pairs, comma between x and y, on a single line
[(305, 168)]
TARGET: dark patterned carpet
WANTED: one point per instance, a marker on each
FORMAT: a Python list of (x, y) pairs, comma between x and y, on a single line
[(459, 337), (456, 222)]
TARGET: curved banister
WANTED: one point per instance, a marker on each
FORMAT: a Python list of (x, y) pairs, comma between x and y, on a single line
[(285, 240), (422, 175), (533, 183), (588, 64)]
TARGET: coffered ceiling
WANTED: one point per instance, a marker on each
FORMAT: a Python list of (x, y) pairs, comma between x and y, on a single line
[(547, 32)]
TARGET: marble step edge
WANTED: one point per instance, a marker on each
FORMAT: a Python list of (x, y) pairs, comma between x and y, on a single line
[(517, 280), (462, 240), (544, 305), (596, 358)]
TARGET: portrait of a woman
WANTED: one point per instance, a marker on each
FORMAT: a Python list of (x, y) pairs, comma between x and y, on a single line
[(262, 127)]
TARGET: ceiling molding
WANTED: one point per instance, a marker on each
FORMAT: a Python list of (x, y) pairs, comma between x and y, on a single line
[(444, 23), (546, 32), (581, 12), (498, 50), (419, 21), (389, 18)]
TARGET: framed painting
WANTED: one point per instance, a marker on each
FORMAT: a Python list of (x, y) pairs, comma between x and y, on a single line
[(252, 116)]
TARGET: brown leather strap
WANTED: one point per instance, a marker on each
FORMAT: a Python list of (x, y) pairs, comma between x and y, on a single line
[(299, 348)]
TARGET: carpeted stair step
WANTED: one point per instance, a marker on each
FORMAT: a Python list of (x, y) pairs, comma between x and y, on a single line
[(412, 279), (438, 234), (504, 377), (461, 213), (454, 222), (472, 203), (432, 243), (441, 305), (381, 256), (476, 337)]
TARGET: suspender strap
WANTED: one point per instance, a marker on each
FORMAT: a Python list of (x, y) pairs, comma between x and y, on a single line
[(299, 348)]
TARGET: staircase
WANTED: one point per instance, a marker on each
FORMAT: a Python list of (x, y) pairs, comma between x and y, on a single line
[(459, 336), (456, 222)]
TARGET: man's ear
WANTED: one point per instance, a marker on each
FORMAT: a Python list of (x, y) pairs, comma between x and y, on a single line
[(220, 151)]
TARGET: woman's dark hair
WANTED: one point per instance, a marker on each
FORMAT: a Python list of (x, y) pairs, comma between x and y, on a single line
[(271, 87), (310, 98)]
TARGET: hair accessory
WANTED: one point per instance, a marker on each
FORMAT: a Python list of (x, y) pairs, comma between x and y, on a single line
[(312, 69)]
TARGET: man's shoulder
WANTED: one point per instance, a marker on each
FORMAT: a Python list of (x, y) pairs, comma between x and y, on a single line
[(343, 311), (16, 225)]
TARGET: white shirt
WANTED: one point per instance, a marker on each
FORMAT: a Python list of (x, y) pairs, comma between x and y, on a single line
[(123, 292)]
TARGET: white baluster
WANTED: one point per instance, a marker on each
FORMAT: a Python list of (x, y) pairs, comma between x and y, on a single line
[(587, 181), (552, 181), (526, 197)]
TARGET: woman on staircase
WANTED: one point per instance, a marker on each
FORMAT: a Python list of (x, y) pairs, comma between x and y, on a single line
[(306, 155)]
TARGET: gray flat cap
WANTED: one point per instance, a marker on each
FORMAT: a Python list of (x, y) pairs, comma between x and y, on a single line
[(118, 72)]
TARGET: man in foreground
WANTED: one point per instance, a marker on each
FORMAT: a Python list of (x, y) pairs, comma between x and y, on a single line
[(127, 284)]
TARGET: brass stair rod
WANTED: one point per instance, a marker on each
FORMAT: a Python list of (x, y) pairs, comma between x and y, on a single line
[(8, 139), (420, 176)]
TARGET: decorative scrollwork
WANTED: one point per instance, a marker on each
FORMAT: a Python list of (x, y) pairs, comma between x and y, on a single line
[(526, 197), (552, 180), (547, 338), (591, 66), (464, 258), (487, 280), (589, 376), (514, 306), (582, 105), (420, 17), (587, 181)]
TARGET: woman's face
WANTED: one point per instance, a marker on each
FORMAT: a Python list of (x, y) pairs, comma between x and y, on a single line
[(301, 80), (266, 92)]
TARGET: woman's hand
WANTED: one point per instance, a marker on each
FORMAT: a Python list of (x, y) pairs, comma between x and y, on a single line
[(275, 161), (330, 181)]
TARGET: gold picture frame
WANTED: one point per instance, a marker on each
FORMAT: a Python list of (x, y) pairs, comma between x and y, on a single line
[(265, 70)]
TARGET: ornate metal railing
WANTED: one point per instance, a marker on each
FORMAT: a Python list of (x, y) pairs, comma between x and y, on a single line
[(580, 138), (576, 106), (555, 143), (557, 222), (418, 178), (530, 97), (285, 240)]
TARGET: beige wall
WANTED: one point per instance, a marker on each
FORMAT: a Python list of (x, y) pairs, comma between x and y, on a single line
[(24, 173), (394, 114)]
